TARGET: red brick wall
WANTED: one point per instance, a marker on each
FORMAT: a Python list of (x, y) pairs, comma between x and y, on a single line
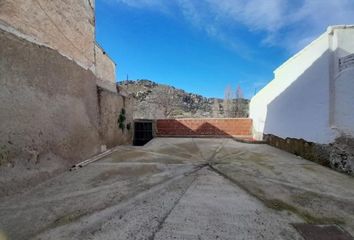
[(204, 127)]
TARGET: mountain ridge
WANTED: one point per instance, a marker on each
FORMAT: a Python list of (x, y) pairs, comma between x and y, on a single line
[(153, 101)]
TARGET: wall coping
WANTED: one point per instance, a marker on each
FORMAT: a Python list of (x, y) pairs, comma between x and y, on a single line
[(328, 32), (204, 119), (105, 52)]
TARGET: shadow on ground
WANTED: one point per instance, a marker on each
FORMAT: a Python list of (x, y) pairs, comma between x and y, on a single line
[(183, 189)]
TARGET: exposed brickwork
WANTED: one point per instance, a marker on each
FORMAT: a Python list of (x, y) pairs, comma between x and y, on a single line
[(204, 127)]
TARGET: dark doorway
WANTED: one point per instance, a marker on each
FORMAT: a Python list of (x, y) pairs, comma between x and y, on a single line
[(142, 132)]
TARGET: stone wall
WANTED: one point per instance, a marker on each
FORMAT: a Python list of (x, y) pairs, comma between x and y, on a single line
[(51, 115), (338, 155), (233, 127), (67, 25)]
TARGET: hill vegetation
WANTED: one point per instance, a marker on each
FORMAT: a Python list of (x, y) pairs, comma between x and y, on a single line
[(153, 101)]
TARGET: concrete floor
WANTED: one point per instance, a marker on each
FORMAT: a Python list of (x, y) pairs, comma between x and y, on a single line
[(183, 189)]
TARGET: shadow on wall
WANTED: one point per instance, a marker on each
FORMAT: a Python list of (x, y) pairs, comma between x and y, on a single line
[(51, 116), (299, 119), (178, 129), (204, 128), (302, 109)]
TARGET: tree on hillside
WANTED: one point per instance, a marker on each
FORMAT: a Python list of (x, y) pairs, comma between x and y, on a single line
[(216, 108), (167, 101), (227, 104), (239, 111)]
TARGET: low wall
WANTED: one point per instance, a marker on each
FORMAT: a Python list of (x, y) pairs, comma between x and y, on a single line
[(338, 155), (51, 114), (237, 127)]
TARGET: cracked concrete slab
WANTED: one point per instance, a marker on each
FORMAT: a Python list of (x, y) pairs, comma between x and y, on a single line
[(214, 208), (183, 188)]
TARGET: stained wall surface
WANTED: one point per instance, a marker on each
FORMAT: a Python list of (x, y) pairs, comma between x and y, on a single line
[(110, 108), (51, 113), (67, 25), (105, 67)]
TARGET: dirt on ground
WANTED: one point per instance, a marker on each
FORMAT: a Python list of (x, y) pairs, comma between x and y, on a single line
[(185, 188)]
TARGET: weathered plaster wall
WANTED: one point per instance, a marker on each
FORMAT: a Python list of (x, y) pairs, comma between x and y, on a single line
[(51, 115), (105, 67), (110, 107), (67, 25)]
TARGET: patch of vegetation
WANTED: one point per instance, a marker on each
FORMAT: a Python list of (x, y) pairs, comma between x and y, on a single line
[(279, 205), (262, 164), (121, 120), (4, 155), (69, 218), (63, 220), (177, 103), (309, 168)]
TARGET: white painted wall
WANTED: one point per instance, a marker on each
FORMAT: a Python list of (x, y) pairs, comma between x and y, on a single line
[(343, 119), (302, 101)]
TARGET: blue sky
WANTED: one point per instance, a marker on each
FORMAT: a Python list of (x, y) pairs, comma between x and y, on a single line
[(202, 46)]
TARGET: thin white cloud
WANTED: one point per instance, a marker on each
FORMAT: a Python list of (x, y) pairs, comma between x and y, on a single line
[(154, 5), (256, 14), (283, 23), (139, 3)]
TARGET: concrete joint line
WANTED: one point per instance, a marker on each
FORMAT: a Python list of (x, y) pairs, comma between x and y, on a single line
[(211, 159), (245, 189), (137, 197), (161, 223), (182, 149), (200, 153)]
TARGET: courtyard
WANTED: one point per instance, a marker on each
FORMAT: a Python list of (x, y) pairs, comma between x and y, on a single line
[(184, 188)]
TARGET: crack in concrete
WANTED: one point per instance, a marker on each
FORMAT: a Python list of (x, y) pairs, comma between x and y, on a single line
[(184, 149), (153, 225), (163, 220), (199, 151), (275, 204), (126, 200), (218, 149)]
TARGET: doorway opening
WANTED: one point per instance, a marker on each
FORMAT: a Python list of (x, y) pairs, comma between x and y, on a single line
[(143, 132)]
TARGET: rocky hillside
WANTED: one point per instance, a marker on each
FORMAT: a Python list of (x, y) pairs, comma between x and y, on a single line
[(154, 101)]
